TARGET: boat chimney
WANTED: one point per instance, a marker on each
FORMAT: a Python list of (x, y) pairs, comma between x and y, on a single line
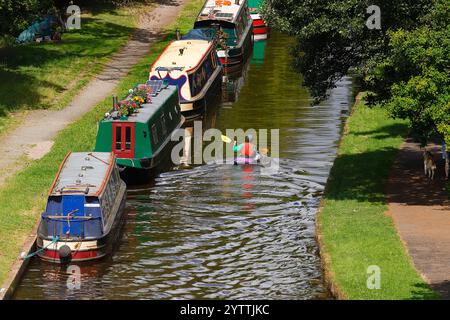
[(178, 34), (115, 101)]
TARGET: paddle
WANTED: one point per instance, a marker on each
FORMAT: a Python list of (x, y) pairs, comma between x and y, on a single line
[(226, 139)]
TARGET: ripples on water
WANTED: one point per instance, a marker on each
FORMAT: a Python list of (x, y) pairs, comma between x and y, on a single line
[(221, 231)]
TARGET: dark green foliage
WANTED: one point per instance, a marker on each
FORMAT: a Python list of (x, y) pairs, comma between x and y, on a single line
[(16, 15), (333, 36), (413, 82), (405, 64)]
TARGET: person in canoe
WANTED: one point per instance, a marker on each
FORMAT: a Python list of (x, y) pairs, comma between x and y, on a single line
[(246, 150)]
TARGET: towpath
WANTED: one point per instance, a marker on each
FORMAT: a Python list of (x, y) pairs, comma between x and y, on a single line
[(34, 137), (420, 209)]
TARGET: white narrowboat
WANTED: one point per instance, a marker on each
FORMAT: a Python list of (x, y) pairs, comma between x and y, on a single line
[(192, 64)]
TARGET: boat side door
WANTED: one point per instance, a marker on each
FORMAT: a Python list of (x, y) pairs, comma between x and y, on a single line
[(123, 140)]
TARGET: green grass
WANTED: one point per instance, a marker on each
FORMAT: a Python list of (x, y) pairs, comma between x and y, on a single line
[(23, 196), (356, 231), (49, 75)]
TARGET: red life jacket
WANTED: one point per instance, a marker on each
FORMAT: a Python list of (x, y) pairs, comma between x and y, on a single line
[(248, 150)]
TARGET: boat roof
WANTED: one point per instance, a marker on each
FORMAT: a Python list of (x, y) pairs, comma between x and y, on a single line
[(147, 110), (191, 55), (226, 10), (83, 172)]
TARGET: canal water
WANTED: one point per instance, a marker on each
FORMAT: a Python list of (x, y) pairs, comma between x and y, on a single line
[(221, 231)]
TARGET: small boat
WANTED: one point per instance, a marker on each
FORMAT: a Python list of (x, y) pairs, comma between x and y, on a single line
[(232, 24), (260, 28), (192, 64), (263, 161), (139, 128), (244, 160), (84, 209)]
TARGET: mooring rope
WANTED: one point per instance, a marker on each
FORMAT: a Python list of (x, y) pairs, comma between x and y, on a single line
[(55, 239)]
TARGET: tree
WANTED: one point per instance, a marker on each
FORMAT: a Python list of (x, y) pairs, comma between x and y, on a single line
[(333, 36), (404, 65), (413, 82), (15, 15)]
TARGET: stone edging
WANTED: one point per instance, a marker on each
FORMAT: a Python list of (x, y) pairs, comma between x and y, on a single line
[(325, 259), (19, 267)]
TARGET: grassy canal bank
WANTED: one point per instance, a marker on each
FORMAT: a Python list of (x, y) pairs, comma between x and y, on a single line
[(23, 196), (49, 75), (354, 230)]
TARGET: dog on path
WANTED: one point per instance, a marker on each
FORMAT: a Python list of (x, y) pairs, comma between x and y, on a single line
[(429, 165)]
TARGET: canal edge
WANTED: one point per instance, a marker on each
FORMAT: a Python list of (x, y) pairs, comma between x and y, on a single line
[(19, 266), (325, 259)]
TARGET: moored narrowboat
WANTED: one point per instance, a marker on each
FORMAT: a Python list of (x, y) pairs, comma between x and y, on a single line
[(260, 28), (190, 63), (232, 24), (139, 128), (84, 209)]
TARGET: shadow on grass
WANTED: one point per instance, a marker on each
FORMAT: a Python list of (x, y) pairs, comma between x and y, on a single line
[(23, 68), (18, 90), (390, 131), (360, 177), (422, 292), (89, 41), (363, 176)]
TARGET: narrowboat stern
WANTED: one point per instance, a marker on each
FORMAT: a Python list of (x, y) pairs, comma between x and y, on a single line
[(139, 137), (84, 209), (192, 64)]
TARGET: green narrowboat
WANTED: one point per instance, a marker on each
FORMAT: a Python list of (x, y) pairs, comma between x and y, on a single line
[(140, 127)]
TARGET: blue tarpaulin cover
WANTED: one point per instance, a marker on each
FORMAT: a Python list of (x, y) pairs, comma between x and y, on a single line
[(198, 34), (41, 28)]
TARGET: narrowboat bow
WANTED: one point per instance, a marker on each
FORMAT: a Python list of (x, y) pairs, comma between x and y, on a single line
[(260, 28)]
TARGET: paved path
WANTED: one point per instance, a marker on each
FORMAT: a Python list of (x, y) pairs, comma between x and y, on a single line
[(34, 138), (421, 212)]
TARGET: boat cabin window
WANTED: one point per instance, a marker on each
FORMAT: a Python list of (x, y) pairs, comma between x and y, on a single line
[(200, 77), (118, 138), (154, 134), (163, 125), (109, 195), (228, 36), (127, 138)]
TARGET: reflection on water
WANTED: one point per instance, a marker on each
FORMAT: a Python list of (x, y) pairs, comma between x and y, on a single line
[(259, 52), (223, 231), (232, 85)]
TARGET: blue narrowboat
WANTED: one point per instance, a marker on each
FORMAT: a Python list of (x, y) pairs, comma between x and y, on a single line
[(84, 209)]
